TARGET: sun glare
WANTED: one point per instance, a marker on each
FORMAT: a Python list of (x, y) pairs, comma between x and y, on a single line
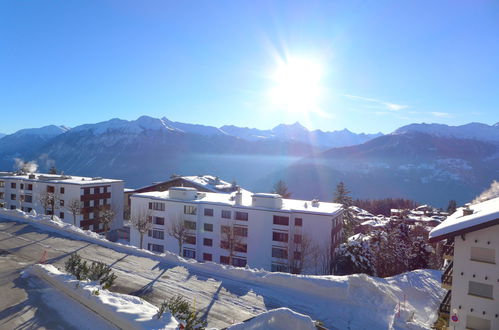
[(297, 85)]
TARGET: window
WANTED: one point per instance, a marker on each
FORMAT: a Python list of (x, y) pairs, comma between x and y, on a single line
[(224, 245), (61, 215), (158, 234), (208, 212), (207, 257), (473, 322), (13, 197), (480, 290), (207, 242), (30, 186), (149, 233), (208, 227), (226, 214), (21, 186), (105, 189), (243, 216), (189, 224), (86, 204), (190, 239), (297, 239), (96, 190), (86, 191), (159, 220), (13, 185), (51, 189), (224, 260), (156, 248), (241, 231), (189, 209), (12, 207), (2, 195), (483, 255), (61, 202), (188, 253), (279, 237), (298, 222), (28, 199), (279, 253), (2, 184), (238, 262), (278, 268), (278, 220), (241, 248), (61, 190), (297, 255), (156, 206)]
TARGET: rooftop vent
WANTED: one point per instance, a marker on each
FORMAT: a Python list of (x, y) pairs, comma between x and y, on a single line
[(31, 176), (315, 202), (467, 210)]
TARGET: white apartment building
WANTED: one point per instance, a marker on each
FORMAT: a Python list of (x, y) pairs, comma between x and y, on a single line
[(259, 230), (24, 191), (472, 271)]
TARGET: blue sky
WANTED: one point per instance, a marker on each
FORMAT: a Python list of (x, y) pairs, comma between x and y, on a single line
[(383, 64)]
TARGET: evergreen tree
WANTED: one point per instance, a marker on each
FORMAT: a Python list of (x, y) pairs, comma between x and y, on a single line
[(451, 208), (281, 189), (342, 196)]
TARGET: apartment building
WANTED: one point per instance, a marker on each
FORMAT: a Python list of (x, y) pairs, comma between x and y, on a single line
[(259, 230), (471, 275), (26, 191)]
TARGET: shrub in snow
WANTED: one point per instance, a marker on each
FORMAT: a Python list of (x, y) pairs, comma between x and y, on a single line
[(98, 271), (182, 311)]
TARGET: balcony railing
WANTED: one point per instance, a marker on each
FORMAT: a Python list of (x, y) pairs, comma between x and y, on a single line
[(448, 250), (445, 305), (447, 276)]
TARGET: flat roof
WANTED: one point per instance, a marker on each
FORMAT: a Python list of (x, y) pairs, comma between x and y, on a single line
[(485, 214), (288, 205), (58, 178)]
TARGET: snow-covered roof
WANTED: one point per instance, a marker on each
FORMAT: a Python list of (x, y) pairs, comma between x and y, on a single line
[(484, 215), (59, 178), (208, 182), (291, 205)]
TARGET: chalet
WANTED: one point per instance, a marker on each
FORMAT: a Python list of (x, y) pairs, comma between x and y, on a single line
[(471, 275)]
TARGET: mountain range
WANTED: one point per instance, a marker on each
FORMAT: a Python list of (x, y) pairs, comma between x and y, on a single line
[(430, 163)]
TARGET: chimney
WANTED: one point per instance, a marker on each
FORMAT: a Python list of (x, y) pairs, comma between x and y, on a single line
[(467, 210), (238, 197)]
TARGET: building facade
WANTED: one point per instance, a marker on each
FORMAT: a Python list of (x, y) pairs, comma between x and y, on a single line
[(259, 230), (471, 274), (28, 192)]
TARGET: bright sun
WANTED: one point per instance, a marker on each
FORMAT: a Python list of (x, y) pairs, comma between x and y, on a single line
[(297, 85)]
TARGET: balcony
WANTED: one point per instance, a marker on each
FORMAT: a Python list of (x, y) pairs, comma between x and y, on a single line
[(448, 250), (447, 276), (443, 313)]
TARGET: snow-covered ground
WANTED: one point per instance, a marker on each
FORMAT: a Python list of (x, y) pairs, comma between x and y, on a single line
[(122, 310), (340, 302)]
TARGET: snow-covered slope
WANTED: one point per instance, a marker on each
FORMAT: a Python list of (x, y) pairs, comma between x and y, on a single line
[(476, 131), (405, 301)]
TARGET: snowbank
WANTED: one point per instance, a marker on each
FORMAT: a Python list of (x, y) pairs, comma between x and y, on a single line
[(123, 311), (277, 319), (355, 301)]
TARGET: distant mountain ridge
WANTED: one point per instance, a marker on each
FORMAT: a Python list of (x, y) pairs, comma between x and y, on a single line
[(430, 163)]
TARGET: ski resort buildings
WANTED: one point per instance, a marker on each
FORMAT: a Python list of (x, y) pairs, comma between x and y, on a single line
[(241, 228), (471, 274), (58, 194)]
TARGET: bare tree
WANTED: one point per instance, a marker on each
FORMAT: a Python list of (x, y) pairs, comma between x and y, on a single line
[(178, 230), (141, 220), (299, 250), (106, 216), (232, 239), (74, 208), (49, 201)]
